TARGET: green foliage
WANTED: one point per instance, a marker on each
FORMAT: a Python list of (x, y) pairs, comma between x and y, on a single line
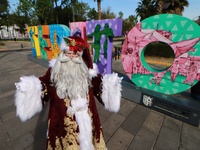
[(35, 12), (107, 14), (128, 24), (146, 8), (4, 6), (121, 14), (92, 14), (81, 11), (44, 11), (176, 6), (159, 49), (4, 12)]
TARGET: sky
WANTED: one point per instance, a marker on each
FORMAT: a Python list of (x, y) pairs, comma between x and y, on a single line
[(128, 7)]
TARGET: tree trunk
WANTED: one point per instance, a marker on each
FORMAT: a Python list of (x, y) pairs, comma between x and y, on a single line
[(99, 9), (160, 6)]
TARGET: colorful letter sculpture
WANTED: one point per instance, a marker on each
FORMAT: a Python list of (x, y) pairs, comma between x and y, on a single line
[(103, 32), (78, 29), (45, 40), (182, 35)]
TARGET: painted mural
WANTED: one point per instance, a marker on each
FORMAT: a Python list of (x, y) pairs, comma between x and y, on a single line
[(102, 32), (78, 29), (182, 35), (45, 39)]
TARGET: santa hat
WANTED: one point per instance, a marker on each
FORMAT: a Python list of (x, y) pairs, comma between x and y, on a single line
[(77, 45)]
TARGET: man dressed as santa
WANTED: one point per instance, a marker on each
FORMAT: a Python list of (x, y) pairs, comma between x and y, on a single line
[(71, 84)]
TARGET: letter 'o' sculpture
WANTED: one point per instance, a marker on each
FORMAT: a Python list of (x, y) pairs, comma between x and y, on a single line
[(179, 33)]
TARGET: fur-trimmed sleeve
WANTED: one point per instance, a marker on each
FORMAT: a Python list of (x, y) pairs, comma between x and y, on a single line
[(31, 93), (28, 97), (111, 92)]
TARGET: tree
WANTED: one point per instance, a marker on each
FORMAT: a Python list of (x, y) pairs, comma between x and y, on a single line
[(160, 6), (146, 8), (26, 10), (92, 14), (107, 14), (120, 14), (81, 11), (197, 20), (128, 24), (44, 10), (4, 12), (175, 6), (99, 8)]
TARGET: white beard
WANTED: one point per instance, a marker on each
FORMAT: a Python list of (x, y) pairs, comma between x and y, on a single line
[(71, 77)]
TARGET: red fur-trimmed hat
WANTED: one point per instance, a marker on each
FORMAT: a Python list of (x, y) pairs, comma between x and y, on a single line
[(77, 45)]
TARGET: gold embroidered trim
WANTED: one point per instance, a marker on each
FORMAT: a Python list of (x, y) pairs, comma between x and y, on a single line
[(44, 91), (70, 140)]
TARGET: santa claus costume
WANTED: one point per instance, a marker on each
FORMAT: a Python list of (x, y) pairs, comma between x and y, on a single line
[(70, 85)]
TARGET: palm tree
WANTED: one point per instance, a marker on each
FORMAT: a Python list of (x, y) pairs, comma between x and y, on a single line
[(145, 9), (175, 6), (99, 8), (160, 6)]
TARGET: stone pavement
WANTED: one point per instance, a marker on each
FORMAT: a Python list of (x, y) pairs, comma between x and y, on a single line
[(19, 45), (134, 127)]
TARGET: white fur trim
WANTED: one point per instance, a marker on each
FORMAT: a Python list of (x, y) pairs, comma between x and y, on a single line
[(52, 62), (28, 97), (80, 109), (111, 92), (93, 72), (64, 46)]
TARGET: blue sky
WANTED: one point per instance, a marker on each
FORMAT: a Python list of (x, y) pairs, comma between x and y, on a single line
[(128, 7)]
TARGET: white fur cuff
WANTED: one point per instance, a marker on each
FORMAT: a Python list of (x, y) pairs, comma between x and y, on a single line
[(111, 92), (93, 72), (28, 97)]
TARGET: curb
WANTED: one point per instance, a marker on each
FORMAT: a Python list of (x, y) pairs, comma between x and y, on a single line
[(10, 50)]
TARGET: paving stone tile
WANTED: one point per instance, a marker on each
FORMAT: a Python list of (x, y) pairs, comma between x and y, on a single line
[(3, 82), (3, 95), (24, 127), (120, 140), (1, 122), (40, 131), (134, 121), (112, 124), (169, 136), (7, 87), (103, 113), (147, 134), (5, 102), (8, 116), (190, 137), (20, 143), (154, 122), (39, 144), (6, 110), (126, 108), (4, 138)]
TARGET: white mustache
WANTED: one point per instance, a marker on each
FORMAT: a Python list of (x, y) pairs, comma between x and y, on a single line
[(65, 59)]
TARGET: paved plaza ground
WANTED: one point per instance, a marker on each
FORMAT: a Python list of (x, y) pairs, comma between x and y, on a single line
[(134, 127)]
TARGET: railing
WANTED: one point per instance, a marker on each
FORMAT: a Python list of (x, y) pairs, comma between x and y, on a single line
[(116, 50)]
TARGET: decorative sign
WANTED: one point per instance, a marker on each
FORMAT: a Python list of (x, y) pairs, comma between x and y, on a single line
[(78, 29), (103, 32), (45, 39), (182, 35)]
